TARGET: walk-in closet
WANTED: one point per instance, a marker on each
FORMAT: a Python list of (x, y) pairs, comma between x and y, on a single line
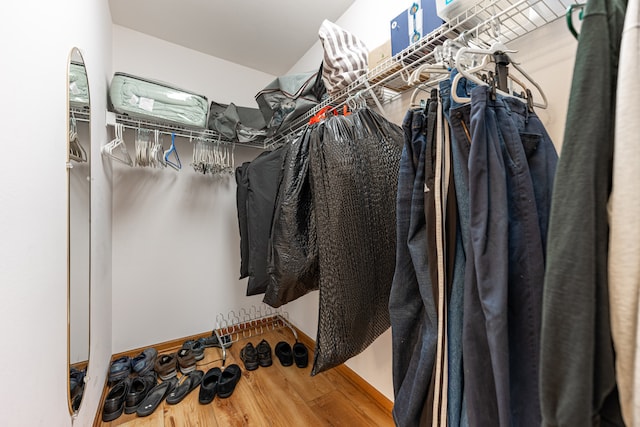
[(286, 213)]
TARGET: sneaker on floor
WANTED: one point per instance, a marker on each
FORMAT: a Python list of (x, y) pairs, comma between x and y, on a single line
[(264, 354), (213, 341), (144, 363), (119, 369), (249, 357), (196, 347), (186, 360), (166, 366)]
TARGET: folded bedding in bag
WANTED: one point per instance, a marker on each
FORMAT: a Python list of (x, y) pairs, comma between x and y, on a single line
[(78, 85), (154, 100)]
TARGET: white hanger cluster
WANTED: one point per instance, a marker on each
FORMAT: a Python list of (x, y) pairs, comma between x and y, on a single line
[(471, 74), (471, 55), (149, 151), (76, 151), (213, 157), (116, 149)]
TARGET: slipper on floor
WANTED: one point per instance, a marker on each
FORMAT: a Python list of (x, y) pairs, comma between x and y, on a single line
[(187, 385), (156, 396), (300, 355), (284, 354)]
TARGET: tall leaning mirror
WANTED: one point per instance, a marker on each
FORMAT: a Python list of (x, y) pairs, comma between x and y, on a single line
[(78, 226)]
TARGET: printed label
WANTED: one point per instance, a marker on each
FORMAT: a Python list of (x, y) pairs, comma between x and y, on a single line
[(133, 100), (146, 104), (73, 87)]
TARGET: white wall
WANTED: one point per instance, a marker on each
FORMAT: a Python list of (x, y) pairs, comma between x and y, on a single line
[(219, 80), (35, 40), (552, 69), (176, 248)]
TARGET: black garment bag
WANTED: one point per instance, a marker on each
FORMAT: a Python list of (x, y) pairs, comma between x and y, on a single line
[(293, 251), (263, 175)]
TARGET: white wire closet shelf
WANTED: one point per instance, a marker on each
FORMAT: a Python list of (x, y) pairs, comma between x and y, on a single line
[(80, 114), (486, 22), (169, 129)]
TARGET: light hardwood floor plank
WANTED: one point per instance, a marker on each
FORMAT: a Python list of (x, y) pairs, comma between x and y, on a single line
[(337, 410)]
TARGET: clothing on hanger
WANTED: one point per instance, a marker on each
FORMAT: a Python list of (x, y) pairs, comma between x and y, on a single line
[(577, 373)]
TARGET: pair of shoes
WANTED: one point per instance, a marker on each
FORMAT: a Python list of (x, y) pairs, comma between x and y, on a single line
[(119, 369), (114, 402), (186, 385), (217, 381), (287, 356), (213, 341), (143, 363), (186, 360), (253, 356), (166, 366), (196, 347), (138, 390), (155, 397)]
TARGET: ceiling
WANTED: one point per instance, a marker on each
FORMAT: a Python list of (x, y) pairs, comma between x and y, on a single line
[(269, 36)]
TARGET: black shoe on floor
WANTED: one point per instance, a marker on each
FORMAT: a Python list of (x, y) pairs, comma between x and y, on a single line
[(228, 380), (140, 387), (209, 385), (284, 354), (114, 402), (264, 354), (300, 355), (249, 357), (155, 397)]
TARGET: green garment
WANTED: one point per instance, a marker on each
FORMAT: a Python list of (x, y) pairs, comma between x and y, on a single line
[(577, 376)]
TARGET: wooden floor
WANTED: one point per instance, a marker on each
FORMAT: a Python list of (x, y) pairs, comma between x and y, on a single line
[(274, 396)]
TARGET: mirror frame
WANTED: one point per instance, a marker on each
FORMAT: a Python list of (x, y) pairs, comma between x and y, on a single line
[(76, 52)]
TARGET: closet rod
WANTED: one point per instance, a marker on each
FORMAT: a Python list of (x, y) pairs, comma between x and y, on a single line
[(486, 21)]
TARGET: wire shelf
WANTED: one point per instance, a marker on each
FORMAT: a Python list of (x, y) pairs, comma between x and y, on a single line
[(170, 129), (486, 22)]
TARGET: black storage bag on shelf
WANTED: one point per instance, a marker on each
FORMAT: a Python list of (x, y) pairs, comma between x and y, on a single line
[(288, 97), (354, 176), (239, 124), (293, 253), (241, 201), (263, 175)]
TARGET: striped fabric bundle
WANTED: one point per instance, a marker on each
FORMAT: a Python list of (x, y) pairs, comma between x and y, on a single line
[(345, 57)]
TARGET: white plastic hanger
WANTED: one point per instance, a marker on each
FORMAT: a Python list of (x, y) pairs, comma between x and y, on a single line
[(468, 74), (117, 145), (76, 151)]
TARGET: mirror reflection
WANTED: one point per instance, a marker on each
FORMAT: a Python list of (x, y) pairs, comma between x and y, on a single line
[(79, 215)]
